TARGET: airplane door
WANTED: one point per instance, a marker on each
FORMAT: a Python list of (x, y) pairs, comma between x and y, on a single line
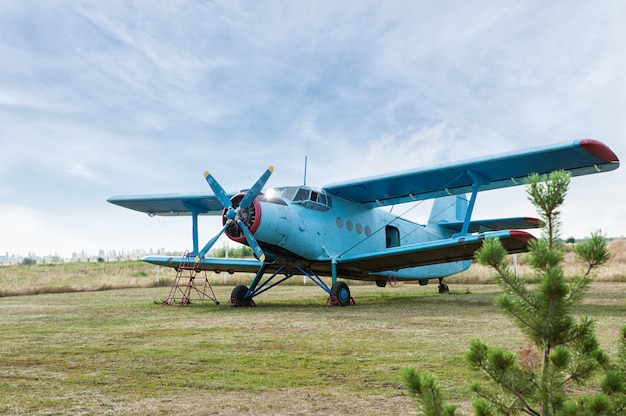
[(392, 236)]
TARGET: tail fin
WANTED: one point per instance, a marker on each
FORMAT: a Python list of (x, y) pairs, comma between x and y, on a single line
[(447, 209)]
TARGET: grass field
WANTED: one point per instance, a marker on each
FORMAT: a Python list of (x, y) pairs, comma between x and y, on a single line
[(120, 352)]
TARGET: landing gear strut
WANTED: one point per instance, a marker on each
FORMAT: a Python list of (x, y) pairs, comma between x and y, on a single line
[(243, 296), (443, 288)]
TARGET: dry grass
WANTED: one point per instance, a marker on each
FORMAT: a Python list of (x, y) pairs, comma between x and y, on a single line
[(76, 277), (613, 271)]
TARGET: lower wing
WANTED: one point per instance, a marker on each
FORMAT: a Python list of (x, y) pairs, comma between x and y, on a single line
[(362, 265), (213, 264), (435, 252)]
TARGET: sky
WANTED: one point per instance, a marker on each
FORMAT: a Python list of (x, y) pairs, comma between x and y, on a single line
[(130, 97)]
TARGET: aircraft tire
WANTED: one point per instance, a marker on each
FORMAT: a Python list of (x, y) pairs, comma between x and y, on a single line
[(238, 296), (443, 289), (341, 291)]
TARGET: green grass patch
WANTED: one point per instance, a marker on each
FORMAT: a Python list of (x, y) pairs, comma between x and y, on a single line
[(117, 351)]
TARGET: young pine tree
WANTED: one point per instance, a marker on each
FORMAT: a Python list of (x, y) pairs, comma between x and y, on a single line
[(562, 350), (547, 195)]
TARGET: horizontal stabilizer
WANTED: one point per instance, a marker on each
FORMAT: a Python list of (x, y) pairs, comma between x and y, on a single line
[(482, 226)]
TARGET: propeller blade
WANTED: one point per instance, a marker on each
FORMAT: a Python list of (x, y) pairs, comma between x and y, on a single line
[(256, 188), (208, 245), (251, 241), (218, 190)]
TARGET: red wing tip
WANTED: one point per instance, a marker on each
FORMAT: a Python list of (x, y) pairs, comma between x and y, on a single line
[(521, 236), (599, 149), (535, 221)]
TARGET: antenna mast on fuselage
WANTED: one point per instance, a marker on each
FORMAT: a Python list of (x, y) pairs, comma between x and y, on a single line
[(305, 160)]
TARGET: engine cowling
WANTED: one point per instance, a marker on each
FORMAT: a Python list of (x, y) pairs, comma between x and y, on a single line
[(250, 216)]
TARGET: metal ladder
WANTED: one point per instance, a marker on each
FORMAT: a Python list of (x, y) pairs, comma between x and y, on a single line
[(184, 285)]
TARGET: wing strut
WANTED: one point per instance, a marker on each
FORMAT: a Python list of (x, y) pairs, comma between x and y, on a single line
[(194, 225), (478, 180)]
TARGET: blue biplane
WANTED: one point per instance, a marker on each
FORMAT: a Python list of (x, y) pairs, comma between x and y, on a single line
[(338, 231)]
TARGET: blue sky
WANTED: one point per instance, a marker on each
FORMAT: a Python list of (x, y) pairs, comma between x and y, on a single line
[(129, 97)]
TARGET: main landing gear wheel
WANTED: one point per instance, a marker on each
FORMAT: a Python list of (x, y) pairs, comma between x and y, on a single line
[(341, 292), (238, 296), (443, 288)]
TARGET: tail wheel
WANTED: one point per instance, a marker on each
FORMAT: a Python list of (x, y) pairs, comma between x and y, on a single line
[(341, 291)]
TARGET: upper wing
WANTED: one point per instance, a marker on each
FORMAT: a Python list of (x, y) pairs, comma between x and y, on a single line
[(434, 252), (581, 157), (171, 204)]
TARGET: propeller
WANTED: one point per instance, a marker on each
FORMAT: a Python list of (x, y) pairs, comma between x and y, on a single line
[(234, 214)]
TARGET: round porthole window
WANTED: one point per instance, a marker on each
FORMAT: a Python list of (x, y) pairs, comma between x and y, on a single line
[(339, 222), (359, 228), (349, 225), (368, 230)]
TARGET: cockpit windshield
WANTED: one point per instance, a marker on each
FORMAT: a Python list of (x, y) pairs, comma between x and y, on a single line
[(309, 197)]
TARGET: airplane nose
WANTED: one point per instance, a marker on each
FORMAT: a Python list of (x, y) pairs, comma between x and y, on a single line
[(242, 214), (250, 216)]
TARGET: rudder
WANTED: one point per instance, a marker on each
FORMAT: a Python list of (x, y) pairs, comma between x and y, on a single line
[(448, 209)]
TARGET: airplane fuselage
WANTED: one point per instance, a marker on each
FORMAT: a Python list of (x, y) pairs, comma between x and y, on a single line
[(304, 225)]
